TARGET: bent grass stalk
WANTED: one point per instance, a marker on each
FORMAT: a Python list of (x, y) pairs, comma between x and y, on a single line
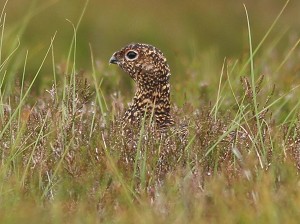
[(265, 36), (22, 100), (254, 93)]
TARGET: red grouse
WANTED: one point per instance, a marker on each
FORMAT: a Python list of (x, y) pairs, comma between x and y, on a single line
[(148, 67)]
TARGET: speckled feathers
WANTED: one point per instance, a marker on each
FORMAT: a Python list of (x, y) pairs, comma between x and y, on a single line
[(149, 69)]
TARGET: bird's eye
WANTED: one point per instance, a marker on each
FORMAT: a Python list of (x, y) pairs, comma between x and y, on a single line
[(131, 55)]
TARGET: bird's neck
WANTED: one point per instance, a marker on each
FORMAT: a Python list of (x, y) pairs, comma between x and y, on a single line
[(157, 95), (152, 97)]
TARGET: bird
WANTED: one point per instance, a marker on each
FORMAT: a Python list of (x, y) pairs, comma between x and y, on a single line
[(149, 69)]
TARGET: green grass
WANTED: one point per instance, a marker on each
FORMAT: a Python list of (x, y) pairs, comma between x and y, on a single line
[(65, 158)]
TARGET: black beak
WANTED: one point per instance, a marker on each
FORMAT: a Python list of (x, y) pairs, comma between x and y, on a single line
[(113, 60)]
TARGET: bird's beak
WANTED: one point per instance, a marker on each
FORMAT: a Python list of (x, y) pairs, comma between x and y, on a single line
[(113, 60)]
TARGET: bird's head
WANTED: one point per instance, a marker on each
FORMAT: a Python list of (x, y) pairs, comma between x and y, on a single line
[(143, 62)]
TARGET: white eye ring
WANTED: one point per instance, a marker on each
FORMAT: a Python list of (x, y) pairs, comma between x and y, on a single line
[(131, 55)]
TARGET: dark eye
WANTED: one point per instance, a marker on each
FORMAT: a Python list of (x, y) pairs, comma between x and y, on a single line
[(131, 55)]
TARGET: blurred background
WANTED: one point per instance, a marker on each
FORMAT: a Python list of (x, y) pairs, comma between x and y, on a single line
[(188, 32)]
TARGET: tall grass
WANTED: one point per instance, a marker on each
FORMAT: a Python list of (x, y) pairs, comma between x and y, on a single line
[(66, 158)]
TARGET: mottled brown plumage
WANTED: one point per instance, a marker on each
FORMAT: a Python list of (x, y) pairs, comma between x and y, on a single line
[(148, 67)]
